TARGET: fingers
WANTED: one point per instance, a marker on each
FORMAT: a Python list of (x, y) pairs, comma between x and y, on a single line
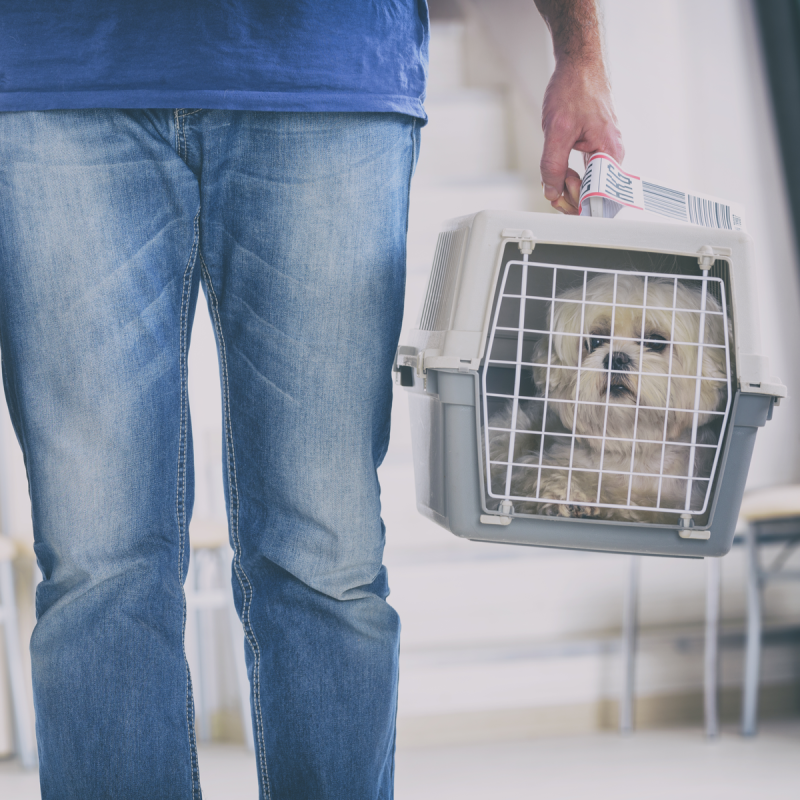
[(612, 146), (558, 142), (615, 147), (569, 201), (564, 206), (573, 188)]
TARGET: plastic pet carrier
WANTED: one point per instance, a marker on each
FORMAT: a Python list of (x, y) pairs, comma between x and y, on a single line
[(587, 383)]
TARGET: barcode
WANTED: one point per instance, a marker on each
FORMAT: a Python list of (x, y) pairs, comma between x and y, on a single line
[(667, 202), (708, 213)]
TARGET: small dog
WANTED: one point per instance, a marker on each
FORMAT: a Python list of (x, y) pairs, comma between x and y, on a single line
[(603, 423)]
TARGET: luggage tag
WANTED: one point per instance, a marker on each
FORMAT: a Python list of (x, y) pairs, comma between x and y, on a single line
[(606, 189)]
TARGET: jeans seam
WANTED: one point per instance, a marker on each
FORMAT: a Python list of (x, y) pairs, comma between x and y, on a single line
[(233, 494), (414, 128), (180, 487), (177, 133), (180, 135)]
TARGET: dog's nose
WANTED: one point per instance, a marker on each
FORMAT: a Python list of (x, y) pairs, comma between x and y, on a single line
[(620, 361)]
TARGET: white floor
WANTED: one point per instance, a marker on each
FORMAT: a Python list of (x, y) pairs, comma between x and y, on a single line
[(651, 765)]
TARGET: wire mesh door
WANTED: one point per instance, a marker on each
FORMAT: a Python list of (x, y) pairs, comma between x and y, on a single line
[(605, 393)]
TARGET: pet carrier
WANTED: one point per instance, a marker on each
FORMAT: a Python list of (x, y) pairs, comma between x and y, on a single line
[(587, 383)]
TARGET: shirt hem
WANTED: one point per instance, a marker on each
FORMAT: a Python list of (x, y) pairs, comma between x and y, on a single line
[(232, 100)]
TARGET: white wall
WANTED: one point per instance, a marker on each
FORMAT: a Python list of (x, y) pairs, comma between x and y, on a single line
[(692, 98)]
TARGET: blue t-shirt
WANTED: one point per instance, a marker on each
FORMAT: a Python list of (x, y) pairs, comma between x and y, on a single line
[(261, 55)]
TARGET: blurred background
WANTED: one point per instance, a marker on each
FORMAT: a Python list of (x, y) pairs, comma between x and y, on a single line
[(511, 662)]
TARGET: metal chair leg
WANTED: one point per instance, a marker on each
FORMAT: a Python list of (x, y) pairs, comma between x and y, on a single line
[(22, 722), (711, 670), (629, 635), (753, 653)]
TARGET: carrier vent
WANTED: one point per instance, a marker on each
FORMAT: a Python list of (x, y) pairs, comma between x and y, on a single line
[(442, 284)]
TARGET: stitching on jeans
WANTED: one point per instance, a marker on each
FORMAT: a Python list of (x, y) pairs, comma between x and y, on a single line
[(177, 133), (180, 135), (180, 487), (233, 494), (185, 144), (187, 113)]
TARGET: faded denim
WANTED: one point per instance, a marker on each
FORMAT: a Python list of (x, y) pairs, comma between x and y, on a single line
[(294, 224)]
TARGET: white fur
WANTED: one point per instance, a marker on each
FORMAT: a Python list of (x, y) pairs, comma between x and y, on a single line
[(619, 415)]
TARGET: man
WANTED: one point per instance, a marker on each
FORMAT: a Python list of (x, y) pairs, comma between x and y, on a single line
[(265, 152)]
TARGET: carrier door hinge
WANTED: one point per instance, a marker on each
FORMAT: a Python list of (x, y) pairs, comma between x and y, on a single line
[(495, 519), (505, 508), (707, 255), (524, 237), (688, 531)]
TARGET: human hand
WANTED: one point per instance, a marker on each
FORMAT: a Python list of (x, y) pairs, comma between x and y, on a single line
[(577, 114)]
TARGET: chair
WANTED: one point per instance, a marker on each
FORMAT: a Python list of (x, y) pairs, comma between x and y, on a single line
[(773, 517), (770, 516), (630, 626), (209, 543), (23, 727)]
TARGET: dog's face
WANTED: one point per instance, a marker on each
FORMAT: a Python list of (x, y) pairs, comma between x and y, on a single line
[(598, 350)]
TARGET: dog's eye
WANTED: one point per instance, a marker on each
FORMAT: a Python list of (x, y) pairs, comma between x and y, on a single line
[(655, 342), (593, 342)]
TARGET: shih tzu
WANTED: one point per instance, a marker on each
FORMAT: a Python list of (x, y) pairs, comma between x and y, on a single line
[(623, 422)]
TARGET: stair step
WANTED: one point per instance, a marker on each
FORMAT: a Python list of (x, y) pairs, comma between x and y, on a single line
[(466, 135)]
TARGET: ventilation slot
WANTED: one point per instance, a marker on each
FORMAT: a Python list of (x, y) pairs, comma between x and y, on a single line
[(442, 284)]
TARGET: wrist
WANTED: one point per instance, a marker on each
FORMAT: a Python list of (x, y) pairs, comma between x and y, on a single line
[(577, 52)]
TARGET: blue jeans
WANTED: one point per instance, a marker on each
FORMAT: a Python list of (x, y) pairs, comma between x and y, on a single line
[(295, 226)]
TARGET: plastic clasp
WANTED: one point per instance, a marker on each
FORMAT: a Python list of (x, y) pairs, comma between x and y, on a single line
[(526, 240), (407, 362), (688, 531), (506, 508), (526, 243)]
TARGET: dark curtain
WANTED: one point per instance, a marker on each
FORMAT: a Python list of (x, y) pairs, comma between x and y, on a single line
[(779, 22)]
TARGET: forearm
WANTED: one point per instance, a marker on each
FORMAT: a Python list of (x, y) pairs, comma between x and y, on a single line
[(575, 28)]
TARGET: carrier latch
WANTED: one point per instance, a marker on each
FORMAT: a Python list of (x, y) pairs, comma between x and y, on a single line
[(407, 361)]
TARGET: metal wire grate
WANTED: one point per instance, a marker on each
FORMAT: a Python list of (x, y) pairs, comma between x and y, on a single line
[(605, 392)]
